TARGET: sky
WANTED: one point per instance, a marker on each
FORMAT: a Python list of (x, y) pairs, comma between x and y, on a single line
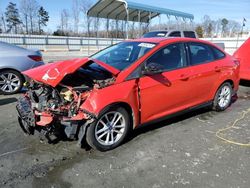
[(230, 9)]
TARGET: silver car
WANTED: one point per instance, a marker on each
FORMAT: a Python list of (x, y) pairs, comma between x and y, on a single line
[(14, 60)]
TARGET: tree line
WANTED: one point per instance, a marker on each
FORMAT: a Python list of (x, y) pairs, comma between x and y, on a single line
[(28, 18), (31, 18), (218, 28)]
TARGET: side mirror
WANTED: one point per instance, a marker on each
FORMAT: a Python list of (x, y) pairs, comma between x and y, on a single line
[(151, 69)]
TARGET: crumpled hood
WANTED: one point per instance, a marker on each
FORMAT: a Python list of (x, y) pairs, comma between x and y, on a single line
[(52, 74)]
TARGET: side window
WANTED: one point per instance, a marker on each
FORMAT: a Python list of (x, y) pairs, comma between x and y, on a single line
[(189, 34), (217, 53), (200, 53), (170, 57), (175, 34)]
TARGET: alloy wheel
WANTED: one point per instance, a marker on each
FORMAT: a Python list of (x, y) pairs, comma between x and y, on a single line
[(224, 96), (110, 128), (9, 82)]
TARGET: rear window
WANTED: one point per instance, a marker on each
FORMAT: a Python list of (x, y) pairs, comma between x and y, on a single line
[(217, 53), (189, 34), (155, 34)]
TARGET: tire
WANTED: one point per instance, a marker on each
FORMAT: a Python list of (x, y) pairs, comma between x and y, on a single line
[(11, 82), (100, 133), (223, 97)]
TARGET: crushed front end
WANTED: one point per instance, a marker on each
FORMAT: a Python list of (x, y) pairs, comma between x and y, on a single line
[(55, 111)]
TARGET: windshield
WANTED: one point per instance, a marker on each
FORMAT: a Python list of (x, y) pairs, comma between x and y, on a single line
[(155, 34), (124, 54)]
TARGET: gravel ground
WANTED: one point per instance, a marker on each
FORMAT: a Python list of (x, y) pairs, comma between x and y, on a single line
[(180, 152)]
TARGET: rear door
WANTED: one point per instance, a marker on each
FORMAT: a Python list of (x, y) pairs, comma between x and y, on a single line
[(169, 91), (206, 64)]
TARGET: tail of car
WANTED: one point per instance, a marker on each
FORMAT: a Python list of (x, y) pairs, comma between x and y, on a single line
[(243, 55)]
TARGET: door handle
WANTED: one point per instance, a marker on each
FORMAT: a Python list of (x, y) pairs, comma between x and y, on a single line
[(217, 69), (184, 77)]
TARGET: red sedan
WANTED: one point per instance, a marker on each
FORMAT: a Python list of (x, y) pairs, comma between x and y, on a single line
[(135, 82)]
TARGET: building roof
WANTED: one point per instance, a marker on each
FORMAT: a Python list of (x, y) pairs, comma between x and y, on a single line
[(119, 9)]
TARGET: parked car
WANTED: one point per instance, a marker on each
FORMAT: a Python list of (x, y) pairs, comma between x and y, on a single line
[(124, 86), (243, 55), (171, 33), (14, 60)]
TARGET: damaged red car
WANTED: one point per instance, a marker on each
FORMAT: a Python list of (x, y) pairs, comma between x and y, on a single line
[(243, 55), (101, 98)]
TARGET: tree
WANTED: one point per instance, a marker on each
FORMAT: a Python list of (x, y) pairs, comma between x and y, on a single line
[(233, 27), (64, 20), (199, 31), (207, 26), (32, 12), (12, 17), (43, 18), (76, 13), (224, 23), (24, 9), (84, 7), (59, 32), (2, 23), (28, 10)]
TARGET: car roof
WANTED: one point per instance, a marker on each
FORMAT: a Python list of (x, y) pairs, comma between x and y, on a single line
[(170, 30), (151, 40), (169, 40)]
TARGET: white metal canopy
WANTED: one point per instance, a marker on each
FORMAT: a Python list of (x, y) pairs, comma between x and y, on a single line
[(121, 9), (131, 11)]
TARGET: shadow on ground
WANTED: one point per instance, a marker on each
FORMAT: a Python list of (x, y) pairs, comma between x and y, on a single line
[(245, 83), (167, 122), (7, 101)]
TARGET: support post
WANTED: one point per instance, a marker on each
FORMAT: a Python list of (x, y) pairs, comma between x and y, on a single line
[(168, 22), (127, 11), (116, 25), (149, 20), (107, 28), (159, 22), (139, 22)]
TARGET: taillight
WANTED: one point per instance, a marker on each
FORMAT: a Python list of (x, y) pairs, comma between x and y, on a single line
[(35, 57)]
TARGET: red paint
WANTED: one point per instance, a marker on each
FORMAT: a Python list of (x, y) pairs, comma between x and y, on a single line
[(113, 70), (45, 118), (151, 97), (52, 74), (243, 55)]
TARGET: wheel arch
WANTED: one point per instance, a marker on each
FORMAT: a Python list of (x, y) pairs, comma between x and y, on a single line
[(124, 105), (229, 81), (12, 69)]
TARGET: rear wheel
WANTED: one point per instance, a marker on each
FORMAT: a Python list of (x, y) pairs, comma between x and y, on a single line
[(223, 97), (109, 130), (10, 82)]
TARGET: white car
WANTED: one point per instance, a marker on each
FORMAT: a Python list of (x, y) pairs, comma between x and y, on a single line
[(171, 33)]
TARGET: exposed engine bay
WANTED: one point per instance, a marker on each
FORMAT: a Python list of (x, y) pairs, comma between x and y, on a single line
[(54, 111)]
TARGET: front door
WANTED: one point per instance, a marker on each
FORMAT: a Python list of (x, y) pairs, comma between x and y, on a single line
[(168, 91)]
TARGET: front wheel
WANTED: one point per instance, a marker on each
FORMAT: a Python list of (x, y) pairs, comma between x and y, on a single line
[(223, 97), (109, 130)]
